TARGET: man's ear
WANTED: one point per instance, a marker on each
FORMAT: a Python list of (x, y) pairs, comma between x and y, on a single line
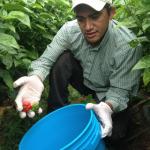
[(112, 12)]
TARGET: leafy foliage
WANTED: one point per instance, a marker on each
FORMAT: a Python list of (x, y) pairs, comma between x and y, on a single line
[(136, 15), (26, 27)]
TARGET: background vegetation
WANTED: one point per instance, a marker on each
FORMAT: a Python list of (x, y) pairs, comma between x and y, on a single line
[(27, 26), (135, 14)]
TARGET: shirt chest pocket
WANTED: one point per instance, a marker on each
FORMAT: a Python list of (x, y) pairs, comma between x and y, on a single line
[(99, 75), (107, 70)]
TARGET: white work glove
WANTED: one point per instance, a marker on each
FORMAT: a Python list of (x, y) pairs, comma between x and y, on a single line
[(104, 112), (30, 92)]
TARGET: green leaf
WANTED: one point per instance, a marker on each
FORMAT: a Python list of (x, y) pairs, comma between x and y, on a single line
[(143, 39), (45, 15), (134, 43), (143, 63), (146, 1), (22, 17), (3, 13), (7, 61), (17, 7), (37, 6), (146, 24), (5, 75), (32, 54), (29, 1), (16, 63), (26, 62), (146, 76), (7, 26), (40, 27), (8, 40), (35, 107), (48, 36), (7, 50), (142, 11)]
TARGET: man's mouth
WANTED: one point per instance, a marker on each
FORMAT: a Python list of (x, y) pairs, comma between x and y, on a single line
[(90, 35)]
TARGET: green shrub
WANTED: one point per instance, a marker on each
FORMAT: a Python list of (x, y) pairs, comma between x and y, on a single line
[(136, 15), (26, 27)]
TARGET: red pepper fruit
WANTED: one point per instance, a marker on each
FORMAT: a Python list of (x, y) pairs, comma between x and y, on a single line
[(26, 106)]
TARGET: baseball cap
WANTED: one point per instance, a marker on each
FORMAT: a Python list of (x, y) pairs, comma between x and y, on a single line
[(95, 4)]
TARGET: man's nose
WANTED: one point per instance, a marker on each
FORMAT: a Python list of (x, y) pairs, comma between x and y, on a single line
[(88, 25)]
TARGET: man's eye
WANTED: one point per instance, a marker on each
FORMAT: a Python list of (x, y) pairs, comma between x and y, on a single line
[(80, 19), (96, 16)]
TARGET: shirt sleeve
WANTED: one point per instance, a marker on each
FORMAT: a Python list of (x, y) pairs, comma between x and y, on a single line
[(124, 81), (43, 64)]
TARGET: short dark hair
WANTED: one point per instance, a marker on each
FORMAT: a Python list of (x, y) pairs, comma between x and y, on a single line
[(108, 8)]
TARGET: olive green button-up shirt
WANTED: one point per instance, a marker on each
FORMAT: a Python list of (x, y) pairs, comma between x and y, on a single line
[(107, 68)]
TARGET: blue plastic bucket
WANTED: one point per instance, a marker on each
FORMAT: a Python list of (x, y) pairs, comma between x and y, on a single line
[(69, 128)]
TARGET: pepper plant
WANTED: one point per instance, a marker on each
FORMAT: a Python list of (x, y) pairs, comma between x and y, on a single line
[(26, 27), (136, 15)]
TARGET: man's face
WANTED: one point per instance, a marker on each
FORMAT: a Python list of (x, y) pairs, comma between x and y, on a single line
[(93, 24)]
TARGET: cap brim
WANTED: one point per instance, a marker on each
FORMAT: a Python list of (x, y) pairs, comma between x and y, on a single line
[(98, 5)]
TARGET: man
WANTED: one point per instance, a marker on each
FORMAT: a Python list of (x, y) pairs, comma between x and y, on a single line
[(93, 55)]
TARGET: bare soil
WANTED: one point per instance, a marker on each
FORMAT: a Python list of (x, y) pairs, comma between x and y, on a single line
[(138, 137)]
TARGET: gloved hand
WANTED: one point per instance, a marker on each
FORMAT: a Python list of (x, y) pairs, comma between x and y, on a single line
[(30, 91), (104, 113)]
